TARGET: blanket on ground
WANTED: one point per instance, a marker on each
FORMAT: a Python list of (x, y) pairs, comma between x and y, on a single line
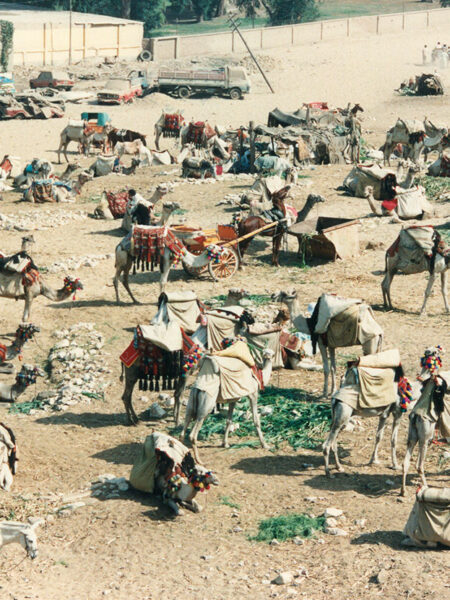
[(428, 409), (144, 470), (429, 520)]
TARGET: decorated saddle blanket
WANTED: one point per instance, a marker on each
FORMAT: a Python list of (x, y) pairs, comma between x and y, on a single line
[(165, 353), (429, 520), (434, 402), (236, 376), (148, 244), (117, 203), (172, 125), (145, 467), (419, 243), (372, 383), (198, 131), (19, 263), (40, 193)]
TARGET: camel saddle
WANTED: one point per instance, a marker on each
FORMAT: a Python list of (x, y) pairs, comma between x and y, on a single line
[(172, 125), (148, 244), (17, 263), (117, 203), (197, 130)]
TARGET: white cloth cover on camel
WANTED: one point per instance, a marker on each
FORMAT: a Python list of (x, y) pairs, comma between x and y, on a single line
[(345, 321), (258, 342), (411, 125), (181, 307), (164, 335), (103, 165), (371, 384), (429, 520), (422, 235), (236, 378), (425, 405), (412, 203), (262, 189), (12, 285), (363, 175), (220, 325), (142, 476)]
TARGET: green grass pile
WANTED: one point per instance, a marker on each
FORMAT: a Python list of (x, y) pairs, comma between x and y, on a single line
[(285, 527), (435, 186), (24, 408), (257, 299), (294, 419)]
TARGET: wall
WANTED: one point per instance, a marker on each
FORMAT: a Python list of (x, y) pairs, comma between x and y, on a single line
[(48, 43), (293, 35)]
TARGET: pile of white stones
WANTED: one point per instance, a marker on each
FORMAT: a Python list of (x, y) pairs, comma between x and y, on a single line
[(40, 220), (73, 264), (77, 367)]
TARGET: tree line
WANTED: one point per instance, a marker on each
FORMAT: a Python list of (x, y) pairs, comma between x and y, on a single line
[(155, 13)]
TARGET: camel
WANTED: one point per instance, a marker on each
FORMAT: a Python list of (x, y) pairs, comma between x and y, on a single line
[(234, 296), (74, 133), (418, 203), (8, 457), (422, 426), (400, 258), (11, 286), (24, 333), (159, 192), (20, 533), (252, 223), (201, 404), (400, 134), (342, 413), (124, 262), (26, 377), (370, 346)]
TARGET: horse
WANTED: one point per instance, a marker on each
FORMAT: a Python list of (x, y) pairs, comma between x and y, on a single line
[(124, 135)]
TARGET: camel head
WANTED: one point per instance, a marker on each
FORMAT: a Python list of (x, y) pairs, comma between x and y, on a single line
[(282, 316), (237, 294), (431, 362), (28, 375), (357, 108), (25, 332), (71, 286), (246, 319), (202, 479), (170, 206), (315, 198), (268, 354), (281, 296)]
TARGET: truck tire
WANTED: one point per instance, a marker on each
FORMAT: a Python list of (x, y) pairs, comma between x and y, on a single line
[(235, 94), (184, 92), (145, 55)]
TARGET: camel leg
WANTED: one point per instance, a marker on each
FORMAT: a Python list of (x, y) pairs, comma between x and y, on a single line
[(340, 419), (193, 438), (27, 309), (189, 415), (164, 266), (332, 352), (380, 432), (425, 432), (254, 405), (427, 293), (410, 445), (132, 417), (444, 289), (326, 367), (386, 288), (179, 391), (395, 427), (231, 406)]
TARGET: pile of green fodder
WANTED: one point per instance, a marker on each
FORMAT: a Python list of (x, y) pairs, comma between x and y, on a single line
[(294, 419), (288, 526), (256, 299), (435, 186)]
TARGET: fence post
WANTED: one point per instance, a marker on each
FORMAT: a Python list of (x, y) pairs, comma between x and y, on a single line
[(232, 41), (321, 30), (176, 49), (403, 21), (378, 24), (348, 27), (261, 39), (292, 35), (428, 18)]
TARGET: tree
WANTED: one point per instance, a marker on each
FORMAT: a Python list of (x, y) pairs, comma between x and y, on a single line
[(281, 12)]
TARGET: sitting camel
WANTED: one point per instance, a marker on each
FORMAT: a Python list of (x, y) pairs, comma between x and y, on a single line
[(408, 204), (431, 410), (26, 377), (24, 333), (201, 403), (371, 338), (348, 401), (409, 258)]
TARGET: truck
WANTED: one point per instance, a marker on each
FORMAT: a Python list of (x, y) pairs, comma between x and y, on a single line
[(226, 81), (119, 91), (59, 80)]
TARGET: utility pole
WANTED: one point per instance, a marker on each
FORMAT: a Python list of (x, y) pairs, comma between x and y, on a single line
[(70, 32), (234, 26)]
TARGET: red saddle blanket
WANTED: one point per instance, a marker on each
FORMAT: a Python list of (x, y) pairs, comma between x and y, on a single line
[(117, 203), (172, 125), (148, 245), (197, 131)]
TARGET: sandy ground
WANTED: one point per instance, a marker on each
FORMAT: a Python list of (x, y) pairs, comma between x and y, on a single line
[(132, 547)]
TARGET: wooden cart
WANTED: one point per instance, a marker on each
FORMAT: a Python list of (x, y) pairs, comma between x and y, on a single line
[(197, 240)]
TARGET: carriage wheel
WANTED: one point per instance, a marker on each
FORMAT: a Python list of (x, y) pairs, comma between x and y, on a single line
[(193, 271), (226, 267)]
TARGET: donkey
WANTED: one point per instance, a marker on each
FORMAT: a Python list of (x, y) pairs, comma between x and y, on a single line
[(20, 533)]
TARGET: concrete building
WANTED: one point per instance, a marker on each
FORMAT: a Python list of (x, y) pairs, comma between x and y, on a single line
[(43, 37)]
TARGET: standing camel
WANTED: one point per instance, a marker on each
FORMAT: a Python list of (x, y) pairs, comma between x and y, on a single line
[(370, 345), (430, 411), (401, 134), (202, 403), (11, 286), (24, 333), (342, 412), (74, 133), (125, 257), (400, 257), (252, 223)]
